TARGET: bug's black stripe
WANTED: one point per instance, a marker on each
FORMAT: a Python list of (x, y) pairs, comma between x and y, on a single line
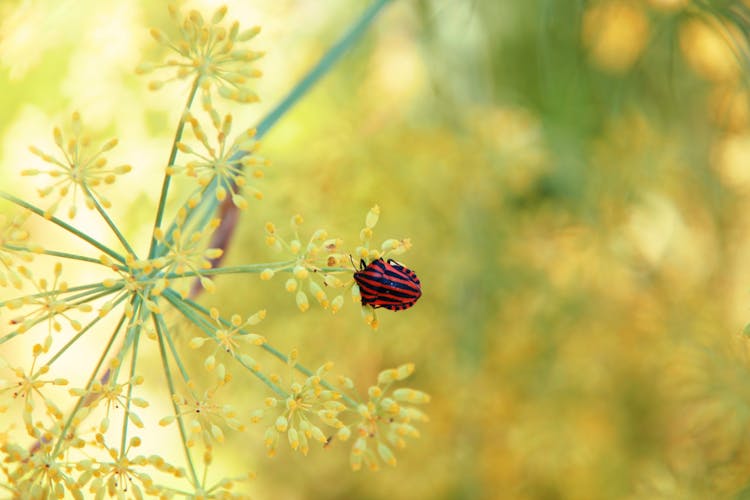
[(398, 268), (378, 295), (401, 276), (390, 278), (397, 306), (388, 288)]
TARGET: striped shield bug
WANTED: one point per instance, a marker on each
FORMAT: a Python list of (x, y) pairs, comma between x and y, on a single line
[(387, 284)]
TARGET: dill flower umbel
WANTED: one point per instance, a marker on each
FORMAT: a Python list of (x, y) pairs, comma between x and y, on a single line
[(211, 54), (80, 167), (385, 420), (307, 405), (227, 164), (309, 268)]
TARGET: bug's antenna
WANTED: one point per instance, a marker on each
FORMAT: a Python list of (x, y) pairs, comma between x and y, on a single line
[(352, 259)]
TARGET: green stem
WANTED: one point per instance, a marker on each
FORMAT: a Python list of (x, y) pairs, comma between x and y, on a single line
[(64, 225), (109, 222), (242, 269), (167, 177), (131, 331), (64, 255), (190, 213), (322, 67), (170, 342), (175, 408), (80, 334), (92, 295), (126, 416), (54, 292)]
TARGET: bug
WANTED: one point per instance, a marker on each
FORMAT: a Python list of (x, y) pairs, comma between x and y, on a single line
[(387, 284)]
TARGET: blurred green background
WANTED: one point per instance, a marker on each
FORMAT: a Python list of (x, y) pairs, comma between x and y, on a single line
[(574, 177)]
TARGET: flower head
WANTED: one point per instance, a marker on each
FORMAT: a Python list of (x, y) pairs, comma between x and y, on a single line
[(121, 472), (49, 304), (310, 273), (27, 386), (228, 163), (80, 167), (307, 404), (206, 415), (113, 396), (210, 53), (13, 246), (185, 252), (228, 335), (385, 420)]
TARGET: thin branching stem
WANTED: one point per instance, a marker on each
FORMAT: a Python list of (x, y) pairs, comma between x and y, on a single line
[(86, 328), (109, 222), (53, 292), (172, 157), (126, 415), (64, 255), (64, 225)]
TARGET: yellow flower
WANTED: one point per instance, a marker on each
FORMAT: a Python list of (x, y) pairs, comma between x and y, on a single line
[(80, 167), (228, 164), (211, 54)]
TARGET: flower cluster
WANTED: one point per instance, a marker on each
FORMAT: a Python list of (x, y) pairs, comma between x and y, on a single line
[(206, 414), (211, 55), (13, 247), (80, 167), (48, 304), (137, 294), (228, 335), (226, 164), (312, 266), (307, 404), (385, 420)]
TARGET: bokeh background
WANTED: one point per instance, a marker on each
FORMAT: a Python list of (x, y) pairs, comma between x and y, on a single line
[(574, 177)]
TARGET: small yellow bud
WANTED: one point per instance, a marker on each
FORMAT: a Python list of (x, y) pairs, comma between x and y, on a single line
[(301, 272), (337, 303), (386, 454), (295, 246), (217, 433), (293, 438), (197, 342), (209, 363), (266, 274), (405, 371), (281, 423), (372, 217), (256, 318), (249, 361), (213, 253), (302, 302), (411, 396), (208, 284)]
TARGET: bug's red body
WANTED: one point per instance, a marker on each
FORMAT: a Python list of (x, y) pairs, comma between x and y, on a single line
[(387, 284)]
